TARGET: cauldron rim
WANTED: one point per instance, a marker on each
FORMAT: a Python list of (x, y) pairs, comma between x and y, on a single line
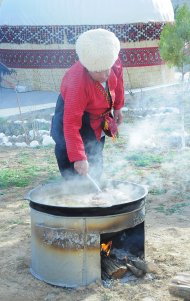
[(89, 211)]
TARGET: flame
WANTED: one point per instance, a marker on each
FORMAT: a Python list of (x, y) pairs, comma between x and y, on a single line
[(106, 248)]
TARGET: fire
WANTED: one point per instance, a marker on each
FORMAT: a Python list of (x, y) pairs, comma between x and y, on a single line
[(106, 248)]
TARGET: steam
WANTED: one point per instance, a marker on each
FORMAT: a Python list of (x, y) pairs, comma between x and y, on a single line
[(78, 192), (143, 135), (154, 126)]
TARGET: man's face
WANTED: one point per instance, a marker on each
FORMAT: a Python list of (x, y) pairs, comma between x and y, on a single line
[(100, 76)]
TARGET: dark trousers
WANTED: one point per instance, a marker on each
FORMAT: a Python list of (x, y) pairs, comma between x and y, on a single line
[(93, 147)]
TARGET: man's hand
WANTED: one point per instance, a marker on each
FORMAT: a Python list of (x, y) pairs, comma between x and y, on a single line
[(81, 167), (118, 116)]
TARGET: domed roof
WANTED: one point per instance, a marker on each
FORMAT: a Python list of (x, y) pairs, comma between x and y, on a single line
[(84, 12)]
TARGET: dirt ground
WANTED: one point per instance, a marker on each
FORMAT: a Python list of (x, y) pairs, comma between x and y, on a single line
[(167, 240), (167, 221)]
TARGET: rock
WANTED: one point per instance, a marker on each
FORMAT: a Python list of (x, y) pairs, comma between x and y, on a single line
[(47, 140), (4, 140), (34, 143), (42, 121), (18, 121), (2, 135), (21, 144), (8, 144)]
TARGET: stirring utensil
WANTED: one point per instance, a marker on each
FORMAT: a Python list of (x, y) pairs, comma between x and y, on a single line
[(94, 183)]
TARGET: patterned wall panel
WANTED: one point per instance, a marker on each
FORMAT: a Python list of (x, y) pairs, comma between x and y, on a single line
[(130, 57), (58, 34)]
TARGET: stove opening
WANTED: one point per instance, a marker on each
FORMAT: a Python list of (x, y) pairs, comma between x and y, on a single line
[(122, 252)]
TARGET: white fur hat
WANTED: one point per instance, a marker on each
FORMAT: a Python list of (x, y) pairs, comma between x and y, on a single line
[(97, 49)]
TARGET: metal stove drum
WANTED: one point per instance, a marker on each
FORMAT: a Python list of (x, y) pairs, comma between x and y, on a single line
[(65, 241)]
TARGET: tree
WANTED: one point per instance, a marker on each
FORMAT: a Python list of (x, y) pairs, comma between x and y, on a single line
[(174, 44)]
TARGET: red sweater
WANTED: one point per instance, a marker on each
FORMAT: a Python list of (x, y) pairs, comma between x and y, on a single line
[(81, 93)]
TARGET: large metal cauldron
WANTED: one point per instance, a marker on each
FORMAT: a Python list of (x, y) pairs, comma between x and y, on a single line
[(65, 240)]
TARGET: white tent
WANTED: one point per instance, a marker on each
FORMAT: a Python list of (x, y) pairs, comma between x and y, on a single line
[(82, 12)]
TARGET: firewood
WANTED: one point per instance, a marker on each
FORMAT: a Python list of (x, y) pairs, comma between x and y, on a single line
[(145, 266), (113, 268), (105, 276), (182, 278), (120, 273), (137, 272), (181, 291), (130, 265), (180, 286)]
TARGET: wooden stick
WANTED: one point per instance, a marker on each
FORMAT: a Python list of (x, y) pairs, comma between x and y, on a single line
[(182, 291), (180, 285), (113, 268), (137, 272), (147, 267)]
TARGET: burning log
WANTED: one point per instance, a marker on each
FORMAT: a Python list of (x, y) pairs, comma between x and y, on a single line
[(106, 248), (111, 268), (104, 275), (180, 286)]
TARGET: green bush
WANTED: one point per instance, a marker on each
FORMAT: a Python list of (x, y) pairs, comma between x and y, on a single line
[(174, 45)]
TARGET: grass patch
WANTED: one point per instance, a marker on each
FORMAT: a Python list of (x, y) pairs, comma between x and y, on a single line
[(176, 208), (23, 177), (157, 191), (24, 205), (144, 159), (16, 221), (16, 177), (23, 169)]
